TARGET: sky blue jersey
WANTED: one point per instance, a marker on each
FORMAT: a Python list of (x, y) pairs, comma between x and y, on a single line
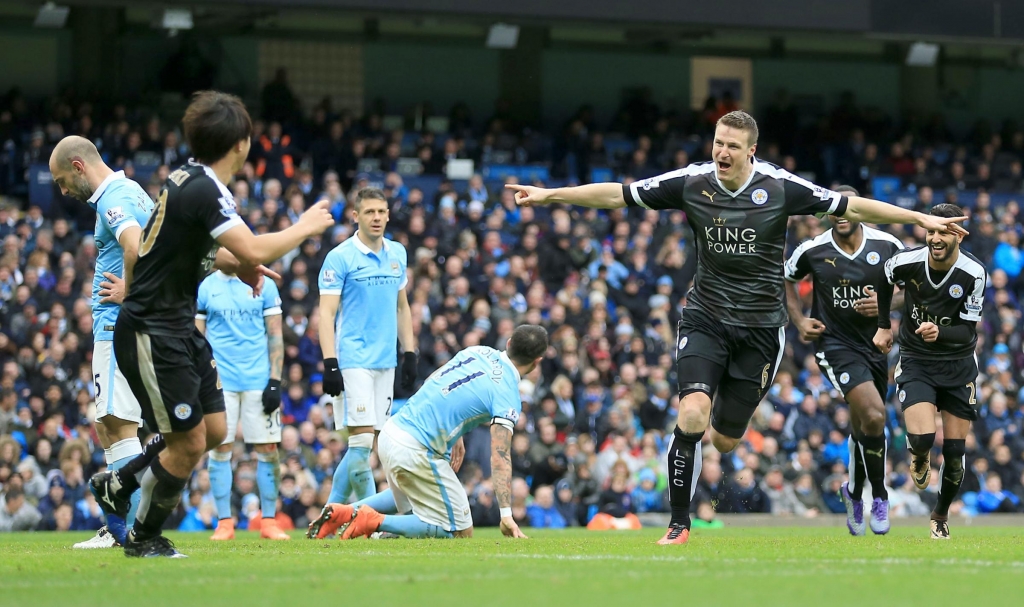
[(478, 385), (366, 327), (120, 203), (236, 329)]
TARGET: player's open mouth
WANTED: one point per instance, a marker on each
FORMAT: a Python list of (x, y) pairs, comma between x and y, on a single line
[(937, 247), (842, 222), (724, 166)]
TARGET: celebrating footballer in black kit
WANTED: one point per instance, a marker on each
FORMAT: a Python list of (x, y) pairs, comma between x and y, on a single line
[(732, 335), (846, 264), (944, 289), (167, 362)]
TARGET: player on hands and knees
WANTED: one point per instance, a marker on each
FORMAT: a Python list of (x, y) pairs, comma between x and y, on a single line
[(245, 334), (122, 208), (421, 446), (732, 334), (166, 360), (361, 280), (944, 291), (846, 263)]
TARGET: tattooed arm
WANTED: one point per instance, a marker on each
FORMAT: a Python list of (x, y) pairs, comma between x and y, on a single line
[(501, 475), (275, 343)]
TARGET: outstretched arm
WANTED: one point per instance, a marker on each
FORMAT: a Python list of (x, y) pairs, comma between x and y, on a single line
[(593, 195), (876, 211), (501, 477)]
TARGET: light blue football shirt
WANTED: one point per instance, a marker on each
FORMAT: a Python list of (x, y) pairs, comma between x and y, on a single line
[(366, 327), (478, 385), (236, 329), (120, 203)]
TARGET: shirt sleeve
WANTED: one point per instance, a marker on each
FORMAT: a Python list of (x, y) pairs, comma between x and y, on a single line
[(201, 300), (506, 406), (799, 264), (332, 275), (403, 261), (658, 193), (271, 298), (893, 272), (115, 211), (806, 198), (974, 301), (213, 206)]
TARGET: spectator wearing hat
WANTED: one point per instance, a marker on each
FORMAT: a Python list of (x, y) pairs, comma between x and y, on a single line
[(646, 496)]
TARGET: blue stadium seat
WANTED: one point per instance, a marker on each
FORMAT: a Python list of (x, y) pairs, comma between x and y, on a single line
[(882, 187), (601, 174), (40, 186)]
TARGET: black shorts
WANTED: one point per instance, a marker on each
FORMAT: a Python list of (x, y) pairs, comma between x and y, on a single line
[(174, 378), (736, 363), (950, 385), (848, 368)]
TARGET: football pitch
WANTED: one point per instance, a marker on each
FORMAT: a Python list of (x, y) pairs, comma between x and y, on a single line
[(734, 566)]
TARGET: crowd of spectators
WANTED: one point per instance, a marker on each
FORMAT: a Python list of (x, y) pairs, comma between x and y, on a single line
[(609, 286)]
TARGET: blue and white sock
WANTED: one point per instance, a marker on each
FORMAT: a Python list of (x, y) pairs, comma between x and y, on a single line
[(268, 467), (383, 502), (411, 526), (354, 472), (121, 453), (221, 480)]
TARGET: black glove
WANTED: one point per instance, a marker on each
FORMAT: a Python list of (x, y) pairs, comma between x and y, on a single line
[(272, 396), (333, 383), (408, 370)]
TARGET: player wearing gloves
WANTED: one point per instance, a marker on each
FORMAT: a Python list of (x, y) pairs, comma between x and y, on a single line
[(245, 334), (364, 313)]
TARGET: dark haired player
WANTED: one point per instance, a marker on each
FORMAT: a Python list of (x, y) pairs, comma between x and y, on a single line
[(944, 293), (846, 264), (166, 360), (731, 337)]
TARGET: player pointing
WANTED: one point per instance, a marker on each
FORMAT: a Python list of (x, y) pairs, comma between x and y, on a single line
[(731, 337), (944, 293), (164, 357), (122, 208), (364, 312), (847, 263), (421, 447)]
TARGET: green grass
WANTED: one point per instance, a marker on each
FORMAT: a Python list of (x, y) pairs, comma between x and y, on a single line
[(979, 567)]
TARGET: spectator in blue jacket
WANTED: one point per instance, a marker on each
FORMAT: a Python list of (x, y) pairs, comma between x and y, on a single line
[(542, 512), (646, 497), (994, 499)]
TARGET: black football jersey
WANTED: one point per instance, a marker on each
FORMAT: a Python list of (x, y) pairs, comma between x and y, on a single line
[(955, 300), (841, 279), (178, 250), (741, 235)]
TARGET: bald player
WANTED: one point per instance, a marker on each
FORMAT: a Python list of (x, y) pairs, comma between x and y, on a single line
[(122, 208)]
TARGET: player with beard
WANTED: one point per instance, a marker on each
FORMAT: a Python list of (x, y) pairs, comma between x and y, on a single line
[(732, 335), (846, 263), (166, 360), (944, 291)]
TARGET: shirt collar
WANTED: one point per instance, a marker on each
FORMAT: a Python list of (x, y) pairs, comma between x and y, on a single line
[(103, 186), (504, 357), (365, 250)]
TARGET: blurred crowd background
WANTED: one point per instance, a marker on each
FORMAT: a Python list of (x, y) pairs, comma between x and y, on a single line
[(609, 286)]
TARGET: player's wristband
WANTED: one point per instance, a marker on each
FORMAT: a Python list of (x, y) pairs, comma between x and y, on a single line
[(505, 512)]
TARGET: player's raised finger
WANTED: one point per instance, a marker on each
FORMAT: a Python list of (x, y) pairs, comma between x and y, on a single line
[(264, 270)]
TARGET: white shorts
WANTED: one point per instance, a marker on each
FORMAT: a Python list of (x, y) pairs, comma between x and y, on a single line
[(367, 398), (422, 482), (258, 428), (113, 394)]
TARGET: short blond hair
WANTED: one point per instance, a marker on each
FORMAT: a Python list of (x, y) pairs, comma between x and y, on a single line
[(738, 119)]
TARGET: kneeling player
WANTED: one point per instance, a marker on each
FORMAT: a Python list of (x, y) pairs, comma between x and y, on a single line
[(944, 292), (420, 447), (846, 263), (245, 334)]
